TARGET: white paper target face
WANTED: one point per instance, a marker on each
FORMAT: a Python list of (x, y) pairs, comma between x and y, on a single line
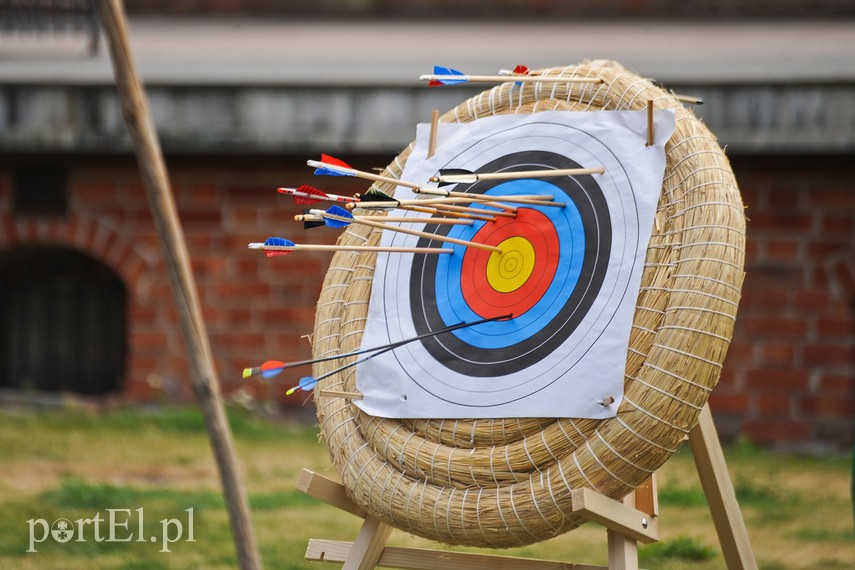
[(567, 274)]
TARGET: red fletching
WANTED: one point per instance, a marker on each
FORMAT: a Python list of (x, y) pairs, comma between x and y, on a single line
[(274, 252), (327, 159), (305, 200), (434, 83), (520, 70)]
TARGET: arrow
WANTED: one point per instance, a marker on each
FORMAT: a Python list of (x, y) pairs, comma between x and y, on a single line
[(343, 220), (532, 199), (279, 246), (304, 195), (330, 166), (272, 365), (462, 176), (312, 220), (448, 76), (384, 202)]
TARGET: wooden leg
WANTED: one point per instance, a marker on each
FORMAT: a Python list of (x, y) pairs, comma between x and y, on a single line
[(368, 545), (623, 552), (715, 480)]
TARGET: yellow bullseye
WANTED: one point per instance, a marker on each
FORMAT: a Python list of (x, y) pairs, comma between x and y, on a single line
[(509, 270)]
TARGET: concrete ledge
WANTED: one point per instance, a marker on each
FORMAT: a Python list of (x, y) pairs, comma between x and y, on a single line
[(258, 87), (818, 118)]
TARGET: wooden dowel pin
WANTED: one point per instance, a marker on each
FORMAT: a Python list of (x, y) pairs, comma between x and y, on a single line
[(649, 122), (434, 124)]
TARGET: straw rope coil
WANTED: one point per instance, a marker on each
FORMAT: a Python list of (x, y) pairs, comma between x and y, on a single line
[(508, 482)]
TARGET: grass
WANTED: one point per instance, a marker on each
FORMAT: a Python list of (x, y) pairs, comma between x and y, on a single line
[(68, 464)]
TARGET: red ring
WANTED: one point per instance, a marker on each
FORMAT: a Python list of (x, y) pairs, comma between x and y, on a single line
[(479, 295)]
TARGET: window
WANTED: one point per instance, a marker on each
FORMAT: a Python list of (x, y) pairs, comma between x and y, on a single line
[(62, 322)]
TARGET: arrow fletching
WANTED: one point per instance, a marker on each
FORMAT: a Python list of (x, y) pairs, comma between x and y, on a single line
[(309, 220), (278, 242), (331, 166), (267, 370), (376, 196), (447, 76), (333, 213), (306, 384)]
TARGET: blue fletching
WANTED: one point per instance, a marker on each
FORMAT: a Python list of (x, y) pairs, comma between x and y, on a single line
[(308, 383), (339, 213), (439, 70), (329, 172), (278, 241)]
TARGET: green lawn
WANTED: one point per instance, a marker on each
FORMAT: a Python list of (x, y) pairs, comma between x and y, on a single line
[(157, 466)]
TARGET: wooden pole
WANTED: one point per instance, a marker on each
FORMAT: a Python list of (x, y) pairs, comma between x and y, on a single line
[(721, 498), (203, 374)]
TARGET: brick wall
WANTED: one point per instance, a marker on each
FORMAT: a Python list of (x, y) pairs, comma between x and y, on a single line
[(255, 308), (789, 378)]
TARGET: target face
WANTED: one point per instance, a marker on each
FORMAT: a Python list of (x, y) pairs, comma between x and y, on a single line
[(567, 274)]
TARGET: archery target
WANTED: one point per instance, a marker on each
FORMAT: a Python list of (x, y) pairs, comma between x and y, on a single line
[(457, 481), (567, 275)]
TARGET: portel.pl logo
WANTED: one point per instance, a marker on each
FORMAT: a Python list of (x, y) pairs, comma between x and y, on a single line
[(118, 525)]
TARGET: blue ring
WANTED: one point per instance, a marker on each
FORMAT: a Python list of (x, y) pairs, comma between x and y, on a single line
[(451, 304)]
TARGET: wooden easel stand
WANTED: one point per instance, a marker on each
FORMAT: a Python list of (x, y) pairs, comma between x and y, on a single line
[(628, 522), (204, 378)]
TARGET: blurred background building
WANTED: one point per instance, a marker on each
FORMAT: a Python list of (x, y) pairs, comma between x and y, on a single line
[(244, 92)]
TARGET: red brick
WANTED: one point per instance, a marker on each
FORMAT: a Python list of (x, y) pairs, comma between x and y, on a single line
[(778, 354), (289, 315), (210, 217), (87, 193), (845, 273), (826, 407), (146, 341), (241, 290), (247, 267), (738, 354), (837, 224), (142, 315), (243, 216), (205, 193), (762, 224), (764, 278), (812, 299), (837, 384), (208, 267), (820, 250), (829, 355), (240, 317), (728, 402), (783, 250), (771, 404), (775, 327), (246, 193), (832, 198), (242, 340), (776, 380), (842, 327)]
